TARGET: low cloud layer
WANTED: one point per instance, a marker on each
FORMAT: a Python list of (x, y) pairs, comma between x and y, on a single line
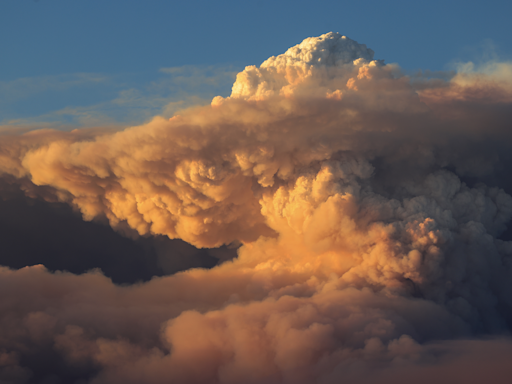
[(372, 213)]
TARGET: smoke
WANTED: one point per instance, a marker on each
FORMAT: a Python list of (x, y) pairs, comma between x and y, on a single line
[(372, 213)]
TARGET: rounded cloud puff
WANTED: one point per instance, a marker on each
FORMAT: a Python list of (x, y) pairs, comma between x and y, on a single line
[(369, 209), (330, 49), (322, 58)]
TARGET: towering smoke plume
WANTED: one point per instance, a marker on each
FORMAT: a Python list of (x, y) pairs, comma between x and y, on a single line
[(372, 212)]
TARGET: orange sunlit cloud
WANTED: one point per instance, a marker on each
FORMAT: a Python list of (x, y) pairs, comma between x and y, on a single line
[(364, 250)]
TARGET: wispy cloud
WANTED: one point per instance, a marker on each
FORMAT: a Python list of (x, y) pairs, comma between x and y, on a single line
[(28, 86), (124, 99)]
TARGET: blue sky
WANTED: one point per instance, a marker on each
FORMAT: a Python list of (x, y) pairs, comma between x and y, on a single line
[(97, 62)]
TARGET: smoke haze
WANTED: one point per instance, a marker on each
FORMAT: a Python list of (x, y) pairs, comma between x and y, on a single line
[(369, 214)]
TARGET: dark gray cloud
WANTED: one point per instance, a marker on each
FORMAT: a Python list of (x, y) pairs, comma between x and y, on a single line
[(34, 231)]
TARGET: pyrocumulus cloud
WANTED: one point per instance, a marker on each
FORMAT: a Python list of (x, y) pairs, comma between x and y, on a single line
[(370, 210)]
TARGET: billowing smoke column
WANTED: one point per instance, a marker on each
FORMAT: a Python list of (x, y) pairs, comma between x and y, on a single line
[(369, 208)]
